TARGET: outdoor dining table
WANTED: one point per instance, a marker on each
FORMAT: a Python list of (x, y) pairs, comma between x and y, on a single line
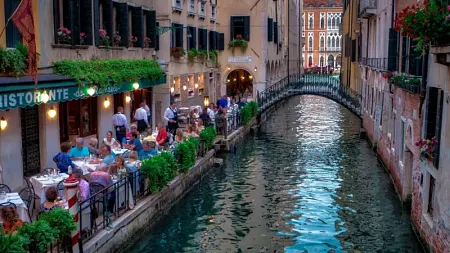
[(22, 209), (42, 183)]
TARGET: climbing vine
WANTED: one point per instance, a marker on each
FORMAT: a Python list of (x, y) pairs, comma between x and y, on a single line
[(107, 72)]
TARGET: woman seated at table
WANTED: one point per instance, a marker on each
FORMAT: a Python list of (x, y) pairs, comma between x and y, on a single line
[(135, 143), (132, 167), (179, 137), (190, 132), (11, 220), (200, 126), (62, 159), (148, 150), (110, 141), (83, 186), (51, 196), (93, 147), (133, 129), (120, 166)]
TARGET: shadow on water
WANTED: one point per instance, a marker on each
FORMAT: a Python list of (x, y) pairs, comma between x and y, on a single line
[(304, 183)]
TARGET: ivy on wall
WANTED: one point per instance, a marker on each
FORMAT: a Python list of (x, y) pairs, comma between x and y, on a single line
[(107, 72)]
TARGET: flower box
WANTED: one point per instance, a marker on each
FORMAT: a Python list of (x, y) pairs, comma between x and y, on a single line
[(67, 46), (408, 83), (177, 52), (238, 42)]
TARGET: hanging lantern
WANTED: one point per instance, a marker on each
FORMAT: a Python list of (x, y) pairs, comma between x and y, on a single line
[(91, 91), (44, 97), (206, 101), (52, 112), (136, 85), (3, 123), (106, 103)]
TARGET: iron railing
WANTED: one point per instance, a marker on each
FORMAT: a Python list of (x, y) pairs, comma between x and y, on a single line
[(315, 84)]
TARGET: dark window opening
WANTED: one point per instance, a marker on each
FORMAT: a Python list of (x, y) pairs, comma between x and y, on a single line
[(78, 118), (13, 36), (430, 207), (240, 28)]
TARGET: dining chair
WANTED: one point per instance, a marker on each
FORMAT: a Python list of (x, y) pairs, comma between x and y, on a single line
[(96, 201), (60, 187), (27, 196), (30, 186), (6, 204), (5, 188)]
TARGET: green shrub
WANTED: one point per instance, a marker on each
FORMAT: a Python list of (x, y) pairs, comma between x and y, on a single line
[(248, 111), (38, 234), (192, 53), (61, 221), (160, 170), (186, 153), (208, 135), (12, 243), (14, 61)]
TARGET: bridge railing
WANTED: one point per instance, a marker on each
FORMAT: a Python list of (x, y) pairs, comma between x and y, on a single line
[(315, 84)]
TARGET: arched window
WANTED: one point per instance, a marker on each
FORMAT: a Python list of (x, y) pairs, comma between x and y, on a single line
[(322, 22), (331, 60), (321, 61), (310, 42), (311, 23), (329, 41), (333, 42), (329, 22), (338, 42), (322, 43), (310, 62)]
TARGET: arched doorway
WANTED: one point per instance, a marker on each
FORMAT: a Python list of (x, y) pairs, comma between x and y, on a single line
[(331, 60), (338, 60), (239, 84)]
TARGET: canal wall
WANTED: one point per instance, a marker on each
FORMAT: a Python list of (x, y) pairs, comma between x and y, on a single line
[(232, 141), (148, 212)]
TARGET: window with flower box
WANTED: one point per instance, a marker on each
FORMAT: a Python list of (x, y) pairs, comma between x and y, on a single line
[(150, 29), (433, 119), (13, 36), (191, 38), (136, 38), (240, 27), (177, 36), (73, 22)]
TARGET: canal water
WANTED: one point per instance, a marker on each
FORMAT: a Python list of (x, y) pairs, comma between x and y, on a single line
[(305, 182)]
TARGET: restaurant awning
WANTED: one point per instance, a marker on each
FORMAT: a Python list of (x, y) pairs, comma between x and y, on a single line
[(22, 92)]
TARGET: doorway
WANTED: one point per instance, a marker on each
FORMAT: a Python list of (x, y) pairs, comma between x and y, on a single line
[(240, 85)]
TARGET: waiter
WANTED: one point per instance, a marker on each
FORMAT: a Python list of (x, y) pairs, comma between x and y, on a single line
[(171, 116), (120, 124), (141, 116)]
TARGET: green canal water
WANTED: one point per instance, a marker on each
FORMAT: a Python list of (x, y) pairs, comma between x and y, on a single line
[(305, 182)]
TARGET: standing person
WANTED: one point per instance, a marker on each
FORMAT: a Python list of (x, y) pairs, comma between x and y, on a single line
[(222, 102), (120, 123), (171, 116), (147, 109), (141, 116)]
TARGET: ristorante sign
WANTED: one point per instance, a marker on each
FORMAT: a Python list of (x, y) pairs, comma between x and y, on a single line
[(9, 100)]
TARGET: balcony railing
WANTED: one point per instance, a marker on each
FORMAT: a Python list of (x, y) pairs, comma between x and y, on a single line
[(177, 5), (367, 8), (191, 9), (333, 27), (334, 49), (310, 49), (376, 63), (322, 49)]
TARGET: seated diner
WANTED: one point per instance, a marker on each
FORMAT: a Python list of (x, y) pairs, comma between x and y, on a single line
[(79, 150)]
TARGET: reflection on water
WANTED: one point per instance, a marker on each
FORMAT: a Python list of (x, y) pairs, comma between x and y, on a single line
[(304, 183)]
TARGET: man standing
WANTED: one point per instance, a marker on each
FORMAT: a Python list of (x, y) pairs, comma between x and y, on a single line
[(147, 109), (222, 102), (141, 116), (171, 116), (120, 124)]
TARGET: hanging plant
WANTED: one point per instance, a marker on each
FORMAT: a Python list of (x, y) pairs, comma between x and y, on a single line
[(177, 52), (427, 148), (238, 42)]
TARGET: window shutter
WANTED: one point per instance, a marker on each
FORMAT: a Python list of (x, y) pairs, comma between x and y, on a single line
[(96, 34), (75, 6), (86, 21), (393, 50), (122, 17), (440, 108), (173, 35), (56, 23), (194, 37), (137, 16), (275, 32), (270, 29), (151, 28), (415, 60), (404, 54), (211, 40), (205, 39), (247, 28), (231, 28), (353, 50), (216, 40), (108, 13), (221, 41), (157, 38)]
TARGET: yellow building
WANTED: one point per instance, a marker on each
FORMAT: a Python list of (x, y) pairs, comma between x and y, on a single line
[(350, 69)]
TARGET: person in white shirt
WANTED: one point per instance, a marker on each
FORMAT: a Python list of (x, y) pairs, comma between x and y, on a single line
[(120, 123), (212, 114), (171, 116), (147, 109), (141, 116)]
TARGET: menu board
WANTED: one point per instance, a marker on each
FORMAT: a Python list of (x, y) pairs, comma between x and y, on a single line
[(30, 141)]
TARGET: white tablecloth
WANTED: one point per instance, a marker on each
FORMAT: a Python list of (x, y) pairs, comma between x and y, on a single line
[(86, 166), (21, 207), (41, 184), (120, 151)]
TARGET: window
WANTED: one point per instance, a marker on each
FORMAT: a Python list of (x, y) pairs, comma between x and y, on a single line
[(137, 29), (240, 27), (202, 9), (178, 5), (150, 28), (213, 12), (202, 39), (191, 37), (322, 43), (321, 61), (433, 120), (191, 7), (122, 23), (303, 22), (177, 35), (270, 29), (430, 207), (310, 43), (78, 118), (76, 17), (213, 40), (310, 61), (13, 36), (330, 60), (311, 21), (322, 20)]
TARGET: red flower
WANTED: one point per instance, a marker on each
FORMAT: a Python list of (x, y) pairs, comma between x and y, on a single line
[(426, 21)]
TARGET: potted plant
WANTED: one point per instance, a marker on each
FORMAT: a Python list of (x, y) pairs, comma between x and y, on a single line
[(116, 39), (147, 42), (425, 23), (104, 38), (427, 148), (238, 42), (82, 38), (202, 55), (177, 52), (64, 36), (192, 53), (132, 40)]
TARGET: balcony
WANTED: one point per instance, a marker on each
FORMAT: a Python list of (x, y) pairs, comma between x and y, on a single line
[(177, 5), (202, 11), (334, 49), (310, 49), (367, 8), (375, 63), (322, 49), (191, 8)]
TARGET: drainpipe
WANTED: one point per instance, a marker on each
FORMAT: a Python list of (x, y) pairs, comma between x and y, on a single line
[(288, 32)]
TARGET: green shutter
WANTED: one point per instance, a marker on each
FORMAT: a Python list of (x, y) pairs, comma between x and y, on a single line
[(393, 50), (221, 41), (205, 39), (86, 20), (194, 37), (151, 27), (415, 60), (76, 22), (96, 34), (275, 32), (108, 13), (56, 23), (137, 17), (122, 18), (247, 28), (231, 28), (270, 29), (211, 40), (179, 36), (404, 54), (157, 38)]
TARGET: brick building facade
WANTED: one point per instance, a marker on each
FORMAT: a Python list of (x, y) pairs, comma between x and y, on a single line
[(322, 37)]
